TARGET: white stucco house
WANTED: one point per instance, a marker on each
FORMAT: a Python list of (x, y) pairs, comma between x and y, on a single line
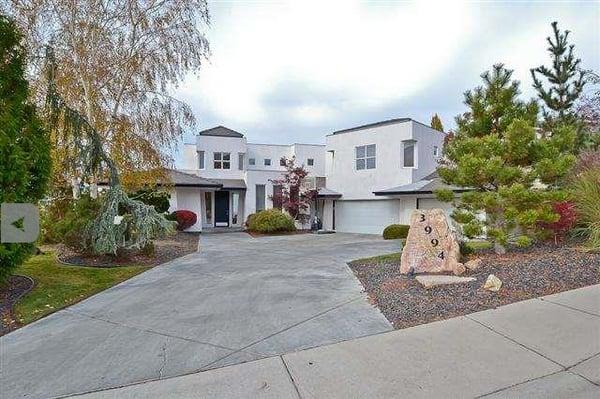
[(368, 177)]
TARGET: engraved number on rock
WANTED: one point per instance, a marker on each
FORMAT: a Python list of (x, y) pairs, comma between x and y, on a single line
[(428, 229), (422, 218), (435, 242), (441, 255)]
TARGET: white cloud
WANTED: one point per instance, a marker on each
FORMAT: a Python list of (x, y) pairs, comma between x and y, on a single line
[(372, 52)]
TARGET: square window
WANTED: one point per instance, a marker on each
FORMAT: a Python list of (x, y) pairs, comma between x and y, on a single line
[(267, 162), (310, 162), (226, 156), (282, 162), (217, 156), (366, 157), (222, 160), (251, 161)]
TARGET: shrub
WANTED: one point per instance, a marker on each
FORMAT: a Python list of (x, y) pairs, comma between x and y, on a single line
[(395, 231), (250, 217), (586, 194), (158, 199), (270, 221), (185, 219), (69, 226), (567, 216)]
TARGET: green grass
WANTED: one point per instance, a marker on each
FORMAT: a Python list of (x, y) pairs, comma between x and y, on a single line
[(57, 285), (389, 258)]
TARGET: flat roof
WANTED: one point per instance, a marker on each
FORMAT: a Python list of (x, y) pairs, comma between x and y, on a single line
[(381, 123)]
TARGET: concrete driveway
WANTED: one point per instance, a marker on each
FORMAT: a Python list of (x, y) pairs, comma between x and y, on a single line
[(238, 299)]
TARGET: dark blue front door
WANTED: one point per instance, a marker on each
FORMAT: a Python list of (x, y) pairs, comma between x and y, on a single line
[(221, 208)]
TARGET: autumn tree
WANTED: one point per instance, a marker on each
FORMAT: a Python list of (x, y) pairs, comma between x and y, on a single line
[(514, 173), (436, 123), (118, 62), (565, 80), (24, 143), (295, 197)]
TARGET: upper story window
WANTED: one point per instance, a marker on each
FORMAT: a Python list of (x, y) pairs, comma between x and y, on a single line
[(251, 161), (408, 160), (436, 151), (282, 162), (310, 162), (365, 157), (267, 162), (200, 159), (222, 160), (241, 161)]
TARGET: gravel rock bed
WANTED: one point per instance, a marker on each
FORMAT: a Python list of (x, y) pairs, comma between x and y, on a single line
[(539, 271), (165, 250), (10, 293)]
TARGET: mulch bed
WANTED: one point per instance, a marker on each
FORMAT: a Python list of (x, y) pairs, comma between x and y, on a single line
[(165, 250), (10, 293), (538, 271)]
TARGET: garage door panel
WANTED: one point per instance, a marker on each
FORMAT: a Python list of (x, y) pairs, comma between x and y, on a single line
[(367, 217)]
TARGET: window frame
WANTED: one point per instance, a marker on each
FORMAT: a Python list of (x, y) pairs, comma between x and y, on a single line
[(363, 157), (264, 197), (241, 159), (201, 160), (436, 151), (405, 144), (267, 162), (310, 162), (221, 161), (251, 161)]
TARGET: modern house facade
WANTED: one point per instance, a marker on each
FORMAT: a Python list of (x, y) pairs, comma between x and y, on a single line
[(367, 177)]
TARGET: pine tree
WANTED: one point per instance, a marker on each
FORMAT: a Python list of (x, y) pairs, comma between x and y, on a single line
[(24, 144), (436, 123), (514, 173), (565, 79)]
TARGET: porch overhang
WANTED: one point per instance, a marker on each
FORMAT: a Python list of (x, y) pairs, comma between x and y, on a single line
[(326, 193)]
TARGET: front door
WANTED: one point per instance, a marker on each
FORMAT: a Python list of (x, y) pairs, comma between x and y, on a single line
[(221, 208)]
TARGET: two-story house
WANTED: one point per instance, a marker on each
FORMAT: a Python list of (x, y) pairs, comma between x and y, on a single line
[(368, 176)]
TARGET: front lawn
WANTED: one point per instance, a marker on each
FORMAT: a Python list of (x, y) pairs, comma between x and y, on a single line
[(57, 285)]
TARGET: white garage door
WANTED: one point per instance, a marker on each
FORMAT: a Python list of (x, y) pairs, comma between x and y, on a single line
[(368, 217)]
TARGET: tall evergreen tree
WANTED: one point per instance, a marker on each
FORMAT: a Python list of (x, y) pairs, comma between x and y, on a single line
[(436, 123), (497, 152), (24, 144), (565, 79)]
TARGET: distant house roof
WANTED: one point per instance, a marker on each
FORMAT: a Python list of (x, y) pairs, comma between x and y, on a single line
[(427, 185), (377, 124), (324, 192), (221, 131), (231, 184)]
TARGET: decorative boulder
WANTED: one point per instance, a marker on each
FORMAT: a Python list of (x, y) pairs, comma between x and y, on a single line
[(473, 264), (431, 247), (492, 283)]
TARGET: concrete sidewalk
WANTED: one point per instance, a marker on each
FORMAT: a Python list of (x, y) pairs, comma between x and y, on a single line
[(547, 348)]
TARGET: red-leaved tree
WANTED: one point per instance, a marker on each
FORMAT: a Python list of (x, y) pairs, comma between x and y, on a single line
[(567, 219), (294, 197)]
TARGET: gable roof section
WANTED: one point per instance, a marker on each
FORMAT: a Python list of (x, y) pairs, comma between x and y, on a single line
[(221, 131)]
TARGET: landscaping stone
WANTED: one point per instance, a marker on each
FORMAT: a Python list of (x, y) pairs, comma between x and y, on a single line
[(473, 264), (431, 247), (429, 281), (492, 283)]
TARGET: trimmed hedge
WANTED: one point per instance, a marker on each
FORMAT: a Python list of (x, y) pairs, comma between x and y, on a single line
[(185, 219), (395, 231), (270, 221)]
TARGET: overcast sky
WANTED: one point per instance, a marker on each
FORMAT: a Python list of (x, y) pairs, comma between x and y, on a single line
[(285, 72)]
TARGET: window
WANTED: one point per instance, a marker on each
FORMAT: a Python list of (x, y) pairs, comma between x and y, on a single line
[(310, 162), (260, 197), (200, 159), (208, 206), (251, 161), (235, 204), (409, 154), (435, 151), (241, 161), (282, 162), (267, 162), (222, 160), (277, 196), (365, 157)]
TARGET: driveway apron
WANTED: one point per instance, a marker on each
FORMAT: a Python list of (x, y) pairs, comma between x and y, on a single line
[(238, 299)]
